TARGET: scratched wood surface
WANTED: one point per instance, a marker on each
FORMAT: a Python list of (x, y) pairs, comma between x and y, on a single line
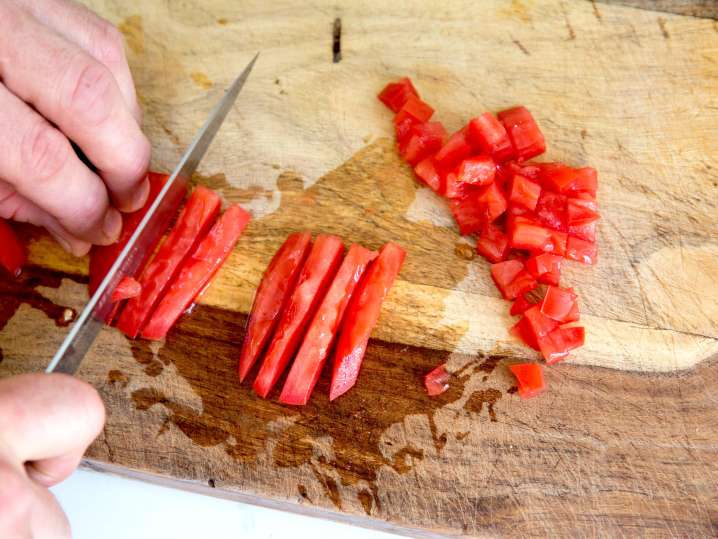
[(625, 440)]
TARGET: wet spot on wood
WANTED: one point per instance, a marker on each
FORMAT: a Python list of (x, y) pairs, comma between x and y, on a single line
[(461, 435), (117, 377), (201, 80), (366, 500), (134, 34), (465, 251), (402, 462), (222, 21), (489, 397)]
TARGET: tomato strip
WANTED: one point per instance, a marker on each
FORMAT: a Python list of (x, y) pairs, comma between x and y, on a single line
[(13, 253)]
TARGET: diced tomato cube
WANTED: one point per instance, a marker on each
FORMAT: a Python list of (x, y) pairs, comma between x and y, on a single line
[(586, 181), (424, 139), (530, 379), (493, 202), (579, 210), (416, 109), (426, 171), (556, 344), (540, 323), (526, 137), (551, 210), (566, 180), (512, 279), (574, 314), (520, 305), (524, 192), (454, 151), (492, 244), (437, 381), (558, 302), (545, 267), (526, 234), (468, 213), (489, 135), (582, 251), (585, 231), (523, 332), (127, 288), (479, 170), (395, 94), (558, 242), (403, 126), (13, 254)]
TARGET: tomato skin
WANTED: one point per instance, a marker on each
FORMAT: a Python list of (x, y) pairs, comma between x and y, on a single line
[(556, 344), (427, 171), (525, 234), (424, 140), (453, 152), (197, 271), (524, 192), (361, 317), (581, 250), (127, 288), (479, 170), (194, 221), (395, 94), (318, 340), (558, 303), (416, 109), (550, 210), (13, 254), (530, 379), (492, 244), (277, 284), (526, 137), (316, 276), (489, 135), (437, 381)]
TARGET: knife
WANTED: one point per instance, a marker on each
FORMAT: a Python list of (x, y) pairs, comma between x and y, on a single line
[(85, 330)]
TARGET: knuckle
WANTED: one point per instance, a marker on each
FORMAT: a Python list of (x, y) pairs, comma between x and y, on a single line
[(43, 151), (108, 44), (91, 207), (138, 158), (89, 94)]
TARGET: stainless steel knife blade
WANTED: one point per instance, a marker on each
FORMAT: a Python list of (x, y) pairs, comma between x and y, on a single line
[(85, 330)]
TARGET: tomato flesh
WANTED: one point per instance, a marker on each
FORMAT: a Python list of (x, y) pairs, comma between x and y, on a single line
[(425, 139), (13, 254), (558, 303), (453, 152), (318, 340), (524, 192), (427, 171), (194, 221), (520, 305), (512, 279), (492, 201), (523, 332), (127, 288), (556, 344), (489, 135), (361, 317), (526, 137), (581, 250), (416, 109), (530, 379), (467, 212), (437, 381), (395, 94), (492, 244), (274, 290), (541, 325), (545, 267), (197, 271), (479, 170), (316, 275)]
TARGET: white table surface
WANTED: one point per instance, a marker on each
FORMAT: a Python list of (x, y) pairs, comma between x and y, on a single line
[(110, 507)]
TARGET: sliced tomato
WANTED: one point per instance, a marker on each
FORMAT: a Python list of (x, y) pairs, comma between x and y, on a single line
[(526, 234), (477, 171), (468, 212), (492, 201), (523, 332), (437, 381), (530, 379), (579, 210), (427, 172), (492, 244), (569, 181), (361, 317), (545, 267), (489, 135), (520, 305), (524, 192), (540, 324), (582, 251), (197, 271), (512, 279), (453, 152), (558, 302), (316, 276), (127, 288), (13, 254), (425, 139), (317, 342), (414, 108), (556, 344), (551, 210), (395, 94), (574, 314), (194, 221), (584, 230), (277, 284), (558, 242), (403, 127), (526, 137), (103, 256)]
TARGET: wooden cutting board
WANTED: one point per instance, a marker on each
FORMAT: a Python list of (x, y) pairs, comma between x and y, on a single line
[(625, 440)]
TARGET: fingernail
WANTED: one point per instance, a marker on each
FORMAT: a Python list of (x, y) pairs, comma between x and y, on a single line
[(141, 194), (112, 225)]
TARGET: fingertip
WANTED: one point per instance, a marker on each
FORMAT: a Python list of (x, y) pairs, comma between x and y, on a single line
[(111, 226), (139, 198), (88, 405)]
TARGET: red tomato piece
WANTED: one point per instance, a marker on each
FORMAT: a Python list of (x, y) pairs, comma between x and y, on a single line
[(317, 342), (545, 267), (581, 250), (489, 135), (530, 379), (520, 305), (468, 213), (479, 170), (586, 181), (437, 381), (403, 127), (416, 109), (197, 271), (579, 210), (425, 139), (453, 152), (194, 221), (569, 181), (492, 244), (395, 94), (13, 254), (556, 345), (127, 288), (551, 210), (427, 172), (277, 284), (523, 332), (524, 192), (526, 137), (525, 234), (558, 242), (361, 317), (512, 279), (103, 256), (585, 231), (316, 276), (558, 302), (540, 324), (574, 314), (493, 202)]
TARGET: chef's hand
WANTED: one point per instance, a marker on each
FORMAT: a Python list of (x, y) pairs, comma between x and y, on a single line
[(64, 77), (46, 423)]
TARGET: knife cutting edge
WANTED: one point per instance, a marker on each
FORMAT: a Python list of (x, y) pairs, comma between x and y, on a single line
[(84, 331)]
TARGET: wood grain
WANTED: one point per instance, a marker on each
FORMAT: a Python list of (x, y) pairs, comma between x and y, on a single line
[(629, 449), (694, 8)]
